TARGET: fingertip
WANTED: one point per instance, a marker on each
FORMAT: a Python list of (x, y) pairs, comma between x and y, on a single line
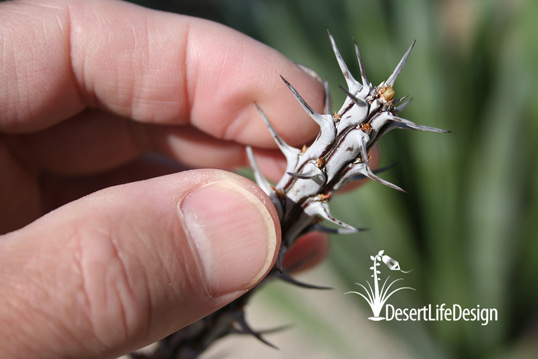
[(232, 236)]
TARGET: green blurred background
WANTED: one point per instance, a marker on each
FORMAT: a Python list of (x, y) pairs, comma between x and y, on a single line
[(467, 226)]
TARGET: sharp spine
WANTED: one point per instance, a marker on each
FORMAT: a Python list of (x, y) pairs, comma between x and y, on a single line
[(343, 67), (392, 78)]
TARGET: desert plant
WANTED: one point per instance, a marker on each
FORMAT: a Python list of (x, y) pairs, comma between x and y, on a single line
[(339, 155)]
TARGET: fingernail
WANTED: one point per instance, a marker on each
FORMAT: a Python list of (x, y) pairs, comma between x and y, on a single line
[(232, 235)]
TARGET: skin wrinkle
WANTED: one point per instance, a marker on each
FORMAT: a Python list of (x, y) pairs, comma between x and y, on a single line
[(199, 82), (222, 68), (61, 25), (15, 310), (137, 62), (148, 56), (87, 95), (146, 61), (46, 317), (6, 86), (187, 73), (119, 86), (95, 309), (179, 252), (46, 23), (146, 312), (44, 31), (27, 76), (128, 295), (79, 258), (140, 62), (160, 260), (233, 129), (82, 77), (119, 291), (16, 89), (15, 307), (87, 309), (69, 36), (44, 5)]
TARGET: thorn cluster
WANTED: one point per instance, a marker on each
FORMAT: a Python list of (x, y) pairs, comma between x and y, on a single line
[(338, 155)]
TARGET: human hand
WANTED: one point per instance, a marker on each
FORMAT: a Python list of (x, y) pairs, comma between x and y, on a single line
[(88, 88)]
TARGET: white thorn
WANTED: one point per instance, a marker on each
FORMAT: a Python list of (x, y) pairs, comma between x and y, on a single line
[(325, 122), (328, 104), (318, 227), (291, 153), (400, 66), (260, 178), (365, 170), (401, 107), (311, 171), (315, 116), (343, 67), (357, 101), (321, 208), (409, 124), (365, 81)]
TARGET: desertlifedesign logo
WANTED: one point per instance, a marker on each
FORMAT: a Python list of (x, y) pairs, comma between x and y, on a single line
[(377, 297)]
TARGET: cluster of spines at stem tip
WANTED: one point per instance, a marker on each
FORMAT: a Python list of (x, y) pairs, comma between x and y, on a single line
[(339, 154)]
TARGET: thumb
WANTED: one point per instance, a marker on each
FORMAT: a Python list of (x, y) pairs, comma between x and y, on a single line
[(128, 265)]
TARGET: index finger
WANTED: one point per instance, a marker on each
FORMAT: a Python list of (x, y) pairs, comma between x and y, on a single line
[(60, 57)]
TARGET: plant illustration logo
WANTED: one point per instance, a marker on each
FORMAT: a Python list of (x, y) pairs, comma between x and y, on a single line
[(376, 297)]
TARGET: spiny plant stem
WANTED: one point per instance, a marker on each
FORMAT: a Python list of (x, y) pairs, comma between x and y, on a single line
[(338, 155)]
